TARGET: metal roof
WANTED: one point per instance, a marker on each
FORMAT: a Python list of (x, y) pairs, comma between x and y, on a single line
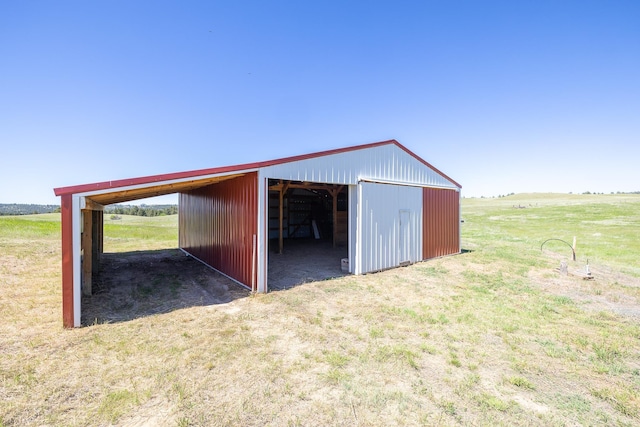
[(109, 192)]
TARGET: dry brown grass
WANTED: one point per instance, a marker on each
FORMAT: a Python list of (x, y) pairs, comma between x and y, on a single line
[(474, 339)]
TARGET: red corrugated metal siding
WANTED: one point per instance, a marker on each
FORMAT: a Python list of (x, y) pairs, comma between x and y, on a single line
[(218, 222), (67, 260), (441, 222)]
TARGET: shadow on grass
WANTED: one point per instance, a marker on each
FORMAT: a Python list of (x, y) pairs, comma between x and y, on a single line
[(131, 285)]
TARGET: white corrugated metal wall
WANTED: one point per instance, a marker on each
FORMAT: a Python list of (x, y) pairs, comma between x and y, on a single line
[(378, 237), (389, 226)]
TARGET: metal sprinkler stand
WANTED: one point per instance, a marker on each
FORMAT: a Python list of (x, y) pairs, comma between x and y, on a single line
[(587, 275), (564, 269), (573, 248)]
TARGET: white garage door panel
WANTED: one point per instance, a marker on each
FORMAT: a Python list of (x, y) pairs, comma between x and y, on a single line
[(389, 225)]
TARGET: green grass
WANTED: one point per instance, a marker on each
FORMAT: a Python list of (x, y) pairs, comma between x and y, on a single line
[(494, 336), (130, 232), (44, 226), (606, 226), (521, 382), (117, 403)]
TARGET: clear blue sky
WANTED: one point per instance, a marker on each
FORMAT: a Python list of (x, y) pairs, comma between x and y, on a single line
[(503, 96)]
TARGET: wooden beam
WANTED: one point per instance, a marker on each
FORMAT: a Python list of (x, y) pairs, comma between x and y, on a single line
[(303, 185), (119, 196), (87, 249), (91, 205)]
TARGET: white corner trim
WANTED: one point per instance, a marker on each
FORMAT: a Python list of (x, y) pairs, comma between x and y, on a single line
[(77, 267)]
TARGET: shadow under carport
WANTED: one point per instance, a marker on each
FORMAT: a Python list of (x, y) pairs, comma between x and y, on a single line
[(131, 285)]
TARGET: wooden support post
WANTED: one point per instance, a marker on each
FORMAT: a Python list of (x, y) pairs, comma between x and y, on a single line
[(100, 241), (283, 190), (334, 194), (280, 220), (87, 249), (335, 216), (97, 238)]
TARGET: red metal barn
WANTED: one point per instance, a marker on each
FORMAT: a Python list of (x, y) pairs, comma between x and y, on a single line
[(387, 205)]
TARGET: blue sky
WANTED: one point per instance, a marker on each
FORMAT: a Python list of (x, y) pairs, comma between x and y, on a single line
[(503, 96)]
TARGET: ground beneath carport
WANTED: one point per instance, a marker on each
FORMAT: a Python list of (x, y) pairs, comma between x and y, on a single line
[(130, 285)]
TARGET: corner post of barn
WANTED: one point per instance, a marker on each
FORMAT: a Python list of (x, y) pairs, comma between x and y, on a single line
[(66, 212), (262, 232)]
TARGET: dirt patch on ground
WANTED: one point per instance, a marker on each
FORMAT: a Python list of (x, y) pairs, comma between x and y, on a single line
[(136, 284), (606, 289)]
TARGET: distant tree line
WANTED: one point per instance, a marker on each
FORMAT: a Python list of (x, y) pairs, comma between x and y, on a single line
[(27, 209), (142, 210)]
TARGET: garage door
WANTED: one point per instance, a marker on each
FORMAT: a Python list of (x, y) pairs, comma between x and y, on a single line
[(389, 226)]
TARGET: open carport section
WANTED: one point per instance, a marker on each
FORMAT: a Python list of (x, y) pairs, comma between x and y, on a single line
[(384, 204)]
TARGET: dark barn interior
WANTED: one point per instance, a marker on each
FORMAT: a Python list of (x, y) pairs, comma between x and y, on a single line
[(308, 232)]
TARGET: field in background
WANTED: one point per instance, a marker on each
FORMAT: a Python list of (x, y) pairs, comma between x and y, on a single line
[(495, 336), (607, 226), (129, 233)]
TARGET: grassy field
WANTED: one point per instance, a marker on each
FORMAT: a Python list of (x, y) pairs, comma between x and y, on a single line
[(494, 336), (127, 233)]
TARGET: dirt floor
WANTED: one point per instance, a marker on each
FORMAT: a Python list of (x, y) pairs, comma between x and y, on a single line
[(303, 261), (137, 284), (131, 285)]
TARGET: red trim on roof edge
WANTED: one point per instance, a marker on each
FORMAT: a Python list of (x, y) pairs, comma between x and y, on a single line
[(229, 169), (424, 162)]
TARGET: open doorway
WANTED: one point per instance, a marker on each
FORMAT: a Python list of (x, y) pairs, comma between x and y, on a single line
[(308, 232)]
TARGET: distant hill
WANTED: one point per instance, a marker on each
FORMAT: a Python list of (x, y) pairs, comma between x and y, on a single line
[(26, 209)]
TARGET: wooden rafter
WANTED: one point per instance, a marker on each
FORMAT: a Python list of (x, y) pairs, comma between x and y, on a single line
[(302, 185), (120, 196)]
